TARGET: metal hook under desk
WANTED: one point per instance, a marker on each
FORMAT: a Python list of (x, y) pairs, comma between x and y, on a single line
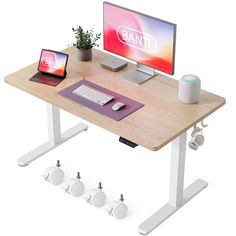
[(203, 124)]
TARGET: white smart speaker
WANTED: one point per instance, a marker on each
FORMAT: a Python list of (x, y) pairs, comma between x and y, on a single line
[(189, 89)]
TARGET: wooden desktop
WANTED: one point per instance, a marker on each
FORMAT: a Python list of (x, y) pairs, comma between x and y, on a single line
[(161, 120)]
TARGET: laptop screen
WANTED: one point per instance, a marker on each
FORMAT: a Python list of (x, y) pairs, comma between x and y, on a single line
[(52, 62)]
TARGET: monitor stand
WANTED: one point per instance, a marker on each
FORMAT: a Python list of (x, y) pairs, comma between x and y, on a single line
[(141, 74)]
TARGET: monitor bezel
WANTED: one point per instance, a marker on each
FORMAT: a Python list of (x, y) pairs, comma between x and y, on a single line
[(164, 21)]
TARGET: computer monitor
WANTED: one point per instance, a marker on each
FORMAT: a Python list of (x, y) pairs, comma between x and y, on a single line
[(144, 39)]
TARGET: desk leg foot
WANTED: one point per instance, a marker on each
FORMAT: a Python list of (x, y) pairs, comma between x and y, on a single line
[(46, 147), (55, 137), (167, 210), (178, 196)]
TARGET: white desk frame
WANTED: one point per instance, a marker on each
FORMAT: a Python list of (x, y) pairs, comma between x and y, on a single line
[(55, 137), (188, 115), (178, 196)]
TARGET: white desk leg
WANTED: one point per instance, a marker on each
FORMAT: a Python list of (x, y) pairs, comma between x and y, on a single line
[(177, 196), (55, 138)]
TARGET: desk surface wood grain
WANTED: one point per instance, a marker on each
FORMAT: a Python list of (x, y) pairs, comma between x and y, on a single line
[(161, 120)]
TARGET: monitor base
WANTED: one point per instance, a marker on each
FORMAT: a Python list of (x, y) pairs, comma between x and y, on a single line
[(141, 74), (138, 77)]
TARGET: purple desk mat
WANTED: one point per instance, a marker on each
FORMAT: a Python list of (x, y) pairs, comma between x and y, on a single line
[(131, 105)]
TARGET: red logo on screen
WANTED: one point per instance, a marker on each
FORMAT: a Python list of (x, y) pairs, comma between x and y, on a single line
[(49, 61), (136, 39)]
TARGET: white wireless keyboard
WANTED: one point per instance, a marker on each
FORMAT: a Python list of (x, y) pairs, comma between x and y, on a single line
[(93, 95)]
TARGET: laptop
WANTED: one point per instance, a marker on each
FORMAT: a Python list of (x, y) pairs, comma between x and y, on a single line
[(51, 67)]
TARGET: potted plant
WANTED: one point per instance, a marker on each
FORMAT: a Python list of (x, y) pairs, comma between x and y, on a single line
[(85, 40)]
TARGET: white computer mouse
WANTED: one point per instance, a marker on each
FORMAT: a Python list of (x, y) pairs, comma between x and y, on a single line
[(117, 106)]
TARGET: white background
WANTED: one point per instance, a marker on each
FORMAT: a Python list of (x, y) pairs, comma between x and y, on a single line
[(206, 46)]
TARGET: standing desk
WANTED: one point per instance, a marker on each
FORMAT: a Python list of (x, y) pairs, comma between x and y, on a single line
[(162, 120)]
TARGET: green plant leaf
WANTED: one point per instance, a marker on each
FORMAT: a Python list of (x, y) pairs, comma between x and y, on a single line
[(85, 39)]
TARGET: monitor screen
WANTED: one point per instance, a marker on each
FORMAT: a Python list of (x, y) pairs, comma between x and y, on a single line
[(53, 63), (141, 38)]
